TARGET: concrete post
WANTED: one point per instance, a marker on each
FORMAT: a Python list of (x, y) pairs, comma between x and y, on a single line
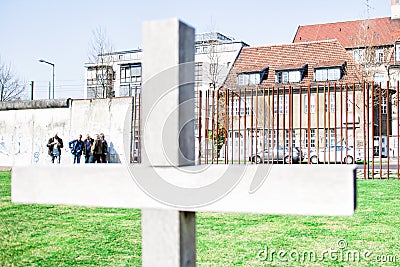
[(168, 237)]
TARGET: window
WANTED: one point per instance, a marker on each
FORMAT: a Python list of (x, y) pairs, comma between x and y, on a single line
[(287, 138), (249, 78), (124, 90), (198, 74), (312, 103), (330, 139), (131, 73), (128, 90), (380, 79), (245, 105), (398, 52), (279, 106), (384, 105), (254, 78), (327, 74), (312, 138), (293, 76), (330, 100), (272, 136), (379, 56), (358, 55)]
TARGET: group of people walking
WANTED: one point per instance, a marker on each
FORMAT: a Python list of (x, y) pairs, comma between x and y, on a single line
[(94, 150)]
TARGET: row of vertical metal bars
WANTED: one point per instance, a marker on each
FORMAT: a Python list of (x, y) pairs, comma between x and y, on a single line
[(267, 117), (267, 121)]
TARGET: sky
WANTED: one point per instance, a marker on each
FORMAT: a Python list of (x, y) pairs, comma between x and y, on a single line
[(60, 31)]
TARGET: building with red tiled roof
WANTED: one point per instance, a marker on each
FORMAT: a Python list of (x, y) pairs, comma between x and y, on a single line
[(373, 43), (375, 46), (293, 64), (352, 34), (302, 91)]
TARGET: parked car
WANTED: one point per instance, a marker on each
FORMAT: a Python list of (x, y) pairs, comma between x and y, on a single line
[(285, 155), (335, 154)]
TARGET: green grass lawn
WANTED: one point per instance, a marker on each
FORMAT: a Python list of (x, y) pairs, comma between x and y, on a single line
[(33, 235)]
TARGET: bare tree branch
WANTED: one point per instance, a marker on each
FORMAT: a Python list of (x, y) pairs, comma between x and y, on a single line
[(11, 88), (100, 54)]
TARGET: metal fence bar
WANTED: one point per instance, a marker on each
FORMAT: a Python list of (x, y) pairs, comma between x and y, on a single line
[(300, 121), (277, 122), (373, 128), (398, 129), (245, 127), (291, 125), (256, 121), (283, 124), (252, 124), (341, 120), (226, 125), (368, 128), (309, 122), (380, 130), (239, 122), (325, 134), (212, 125), (365, 127), (218, 127), (354, 124), (347, 120), (232, 130), (328, 108), (388, 112), (272, 147), (335, 120), (264, 120), (268, 132)]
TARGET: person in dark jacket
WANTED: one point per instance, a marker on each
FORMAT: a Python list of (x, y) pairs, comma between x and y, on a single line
[(87, 145), (104, 153), (97, 150), (76, 147), (55, 144)]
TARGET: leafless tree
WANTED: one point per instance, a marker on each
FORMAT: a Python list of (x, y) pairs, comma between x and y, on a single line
[(101, 72), (373, 60), (214, 68), (214, 72), (11, 87)]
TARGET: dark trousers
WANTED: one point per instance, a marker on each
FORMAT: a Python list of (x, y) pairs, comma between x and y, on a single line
[(77, 158), (54, 156), (103, 158), (96, 158)]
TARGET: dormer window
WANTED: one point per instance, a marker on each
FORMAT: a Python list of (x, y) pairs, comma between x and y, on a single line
[(290, 75), (249, 78), (329, 72), (252, 78), (293, 76)]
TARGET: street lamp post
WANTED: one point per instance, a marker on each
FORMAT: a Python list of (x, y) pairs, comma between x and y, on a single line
[(52, 64)]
